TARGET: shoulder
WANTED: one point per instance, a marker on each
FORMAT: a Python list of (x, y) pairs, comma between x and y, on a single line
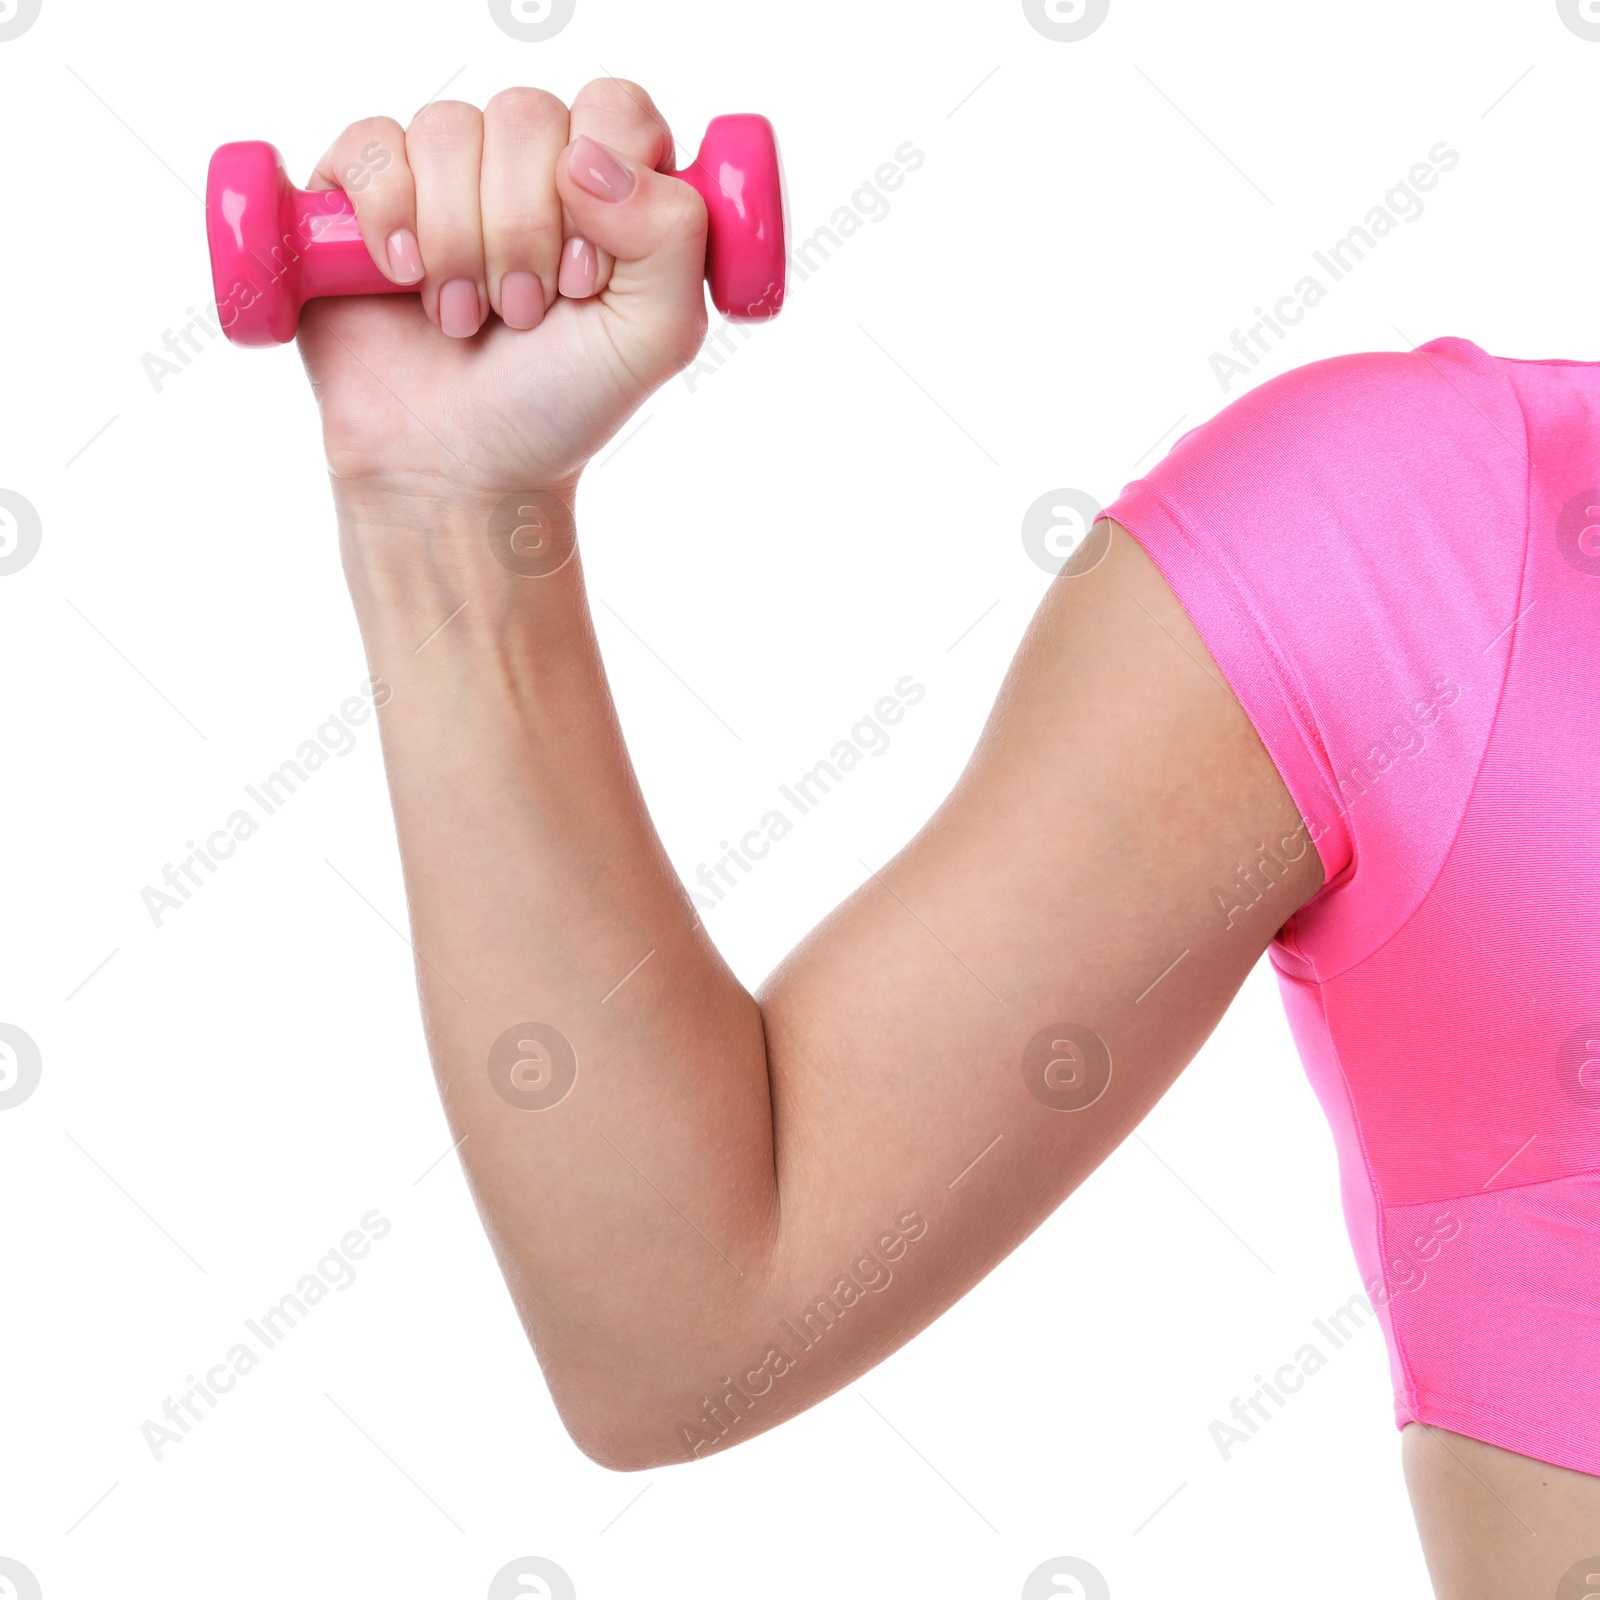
[(1344, 537), (1422, 437)]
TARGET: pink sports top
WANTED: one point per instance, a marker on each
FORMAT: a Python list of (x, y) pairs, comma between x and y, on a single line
[(1395, 560)]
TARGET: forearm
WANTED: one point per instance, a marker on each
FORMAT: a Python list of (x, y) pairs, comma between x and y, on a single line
[(644, 1199), (636, 1215)]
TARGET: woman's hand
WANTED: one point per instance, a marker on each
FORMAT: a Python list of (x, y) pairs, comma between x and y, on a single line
[(561, 282)]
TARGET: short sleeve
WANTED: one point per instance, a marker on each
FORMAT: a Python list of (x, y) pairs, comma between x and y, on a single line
[(1349, 541)]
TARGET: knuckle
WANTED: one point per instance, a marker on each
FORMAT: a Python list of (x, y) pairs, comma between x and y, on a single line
[(523, 110), (620, 97), (525, 235), (684, 210), (370, 130), (599, 91), (369, 155), (446, 121)]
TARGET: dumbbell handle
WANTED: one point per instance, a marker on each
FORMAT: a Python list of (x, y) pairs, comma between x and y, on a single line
[(273, 246), (336, 258)]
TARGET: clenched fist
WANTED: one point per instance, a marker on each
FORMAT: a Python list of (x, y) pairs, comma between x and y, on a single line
[(561, 283)]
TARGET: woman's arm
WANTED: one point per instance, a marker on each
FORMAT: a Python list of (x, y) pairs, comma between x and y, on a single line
[(741, 1203)]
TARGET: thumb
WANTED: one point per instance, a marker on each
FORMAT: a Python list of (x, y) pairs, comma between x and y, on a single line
[(654, 226)]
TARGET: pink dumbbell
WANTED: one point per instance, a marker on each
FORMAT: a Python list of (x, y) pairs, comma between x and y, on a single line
[(273, 247)]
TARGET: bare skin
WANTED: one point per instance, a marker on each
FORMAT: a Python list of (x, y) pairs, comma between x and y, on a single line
[(925, 1079), (1498, 1526)]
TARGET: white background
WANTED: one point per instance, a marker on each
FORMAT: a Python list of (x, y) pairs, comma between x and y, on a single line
[(837, 506)]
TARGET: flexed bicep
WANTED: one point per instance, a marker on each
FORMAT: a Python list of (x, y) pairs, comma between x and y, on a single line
[(994, 1010)]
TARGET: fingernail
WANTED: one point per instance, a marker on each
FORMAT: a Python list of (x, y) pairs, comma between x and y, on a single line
[(521, 300), (580, 266), (405, 257), (594, 169), (459, 313)]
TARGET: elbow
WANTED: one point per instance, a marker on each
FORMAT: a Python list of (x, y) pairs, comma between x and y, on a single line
[(630, 1432), (632, 1410), (639, 1433), (622, 1451), (635, 1443)]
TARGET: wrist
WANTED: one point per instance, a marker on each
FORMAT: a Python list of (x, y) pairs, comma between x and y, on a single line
[(442, 577), (376, 510), (422, 536)]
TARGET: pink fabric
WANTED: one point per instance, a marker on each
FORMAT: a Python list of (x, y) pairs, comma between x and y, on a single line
[(1395, 560)]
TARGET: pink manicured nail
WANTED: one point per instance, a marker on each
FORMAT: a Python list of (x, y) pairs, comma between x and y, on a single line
[(405, 257), (580, 267), (521, 300), (595, 170), (459, 313)]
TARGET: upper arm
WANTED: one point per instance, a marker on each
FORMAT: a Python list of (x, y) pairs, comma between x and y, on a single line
[(1019, 986), (1122, 846)]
